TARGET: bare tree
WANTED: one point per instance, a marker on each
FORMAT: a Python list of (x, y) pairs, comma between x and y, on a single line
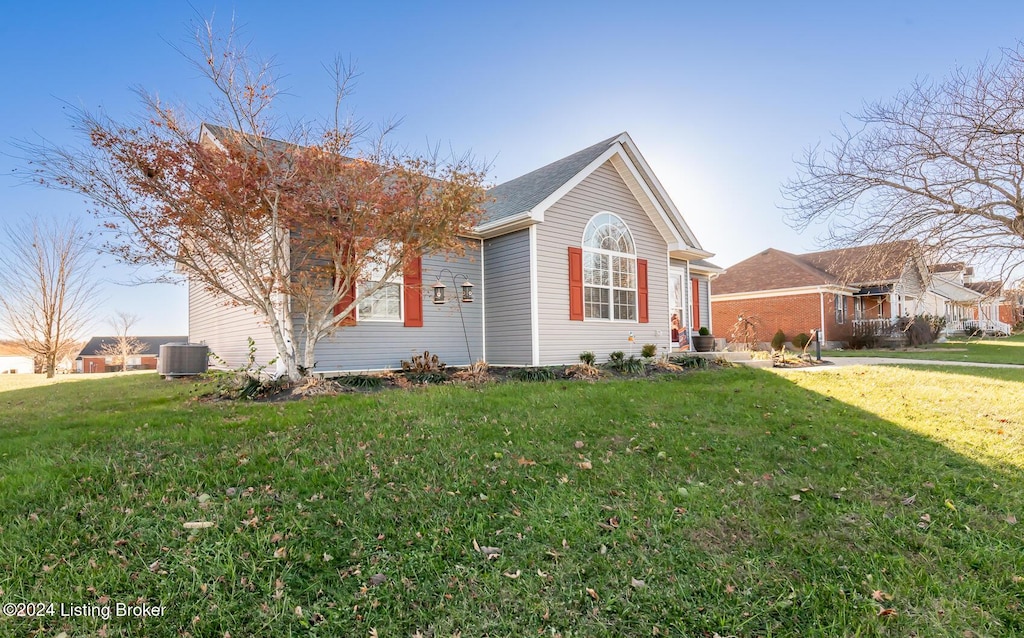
[(123, 346), (282, 222), (942, 163), (48, 296)]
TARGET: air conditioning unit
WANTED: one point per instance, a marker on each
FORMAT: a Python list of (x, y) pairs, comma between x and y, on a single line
[(183, 359)]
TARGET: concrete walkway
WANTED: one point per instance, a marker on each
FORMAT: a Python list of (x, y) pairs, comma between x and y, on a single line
[(843, 362)]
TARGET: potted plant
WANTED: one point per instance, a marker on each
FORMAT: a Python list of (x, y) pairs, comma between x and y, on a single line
[(703, 341)]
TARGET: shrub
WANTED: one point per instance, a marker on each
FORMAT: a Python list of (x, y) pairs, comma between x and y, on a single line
[(425, 362), (615, 359), (362, 381), (779, 339), (689, 361), (533, 374), (704, 332), (426, 377), (633, 365), (649, 351), (583, 371), (476, 373), (248, 381), (588, 358), (801, 340)]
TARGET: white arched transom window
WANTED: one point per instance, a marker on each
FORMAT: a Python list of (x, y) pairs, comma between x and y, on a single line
[(609, 270)]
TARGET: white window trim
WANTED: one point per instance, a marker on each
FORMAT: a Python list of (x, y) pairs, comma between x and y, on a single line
[(611, 287), (398, 278)]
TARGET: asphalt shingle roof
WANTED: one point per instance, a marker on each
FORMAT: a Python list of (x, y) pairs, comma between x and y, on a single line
[(775, 269), (526, 191)]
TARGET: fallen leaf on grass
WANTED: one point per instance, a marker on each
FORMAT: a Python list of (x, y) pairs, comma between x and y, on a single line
[(880, 595), (197, 524), (513, 575), (585, 465), (909, 500), (525, 461), (1011, 519), (281, 552), (592, 593), (377, 579), (579, 445), (636, 583), (795, 497), (489, 552), (886, 612), (950, 505)]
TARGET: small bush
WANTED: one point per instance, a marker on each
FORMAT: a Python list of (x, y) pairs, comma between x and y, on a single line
[(801, 340), (779, 339), (616, 358), (248, 381), (687, 361), (704, 332), (649, 351), (588, 358), (317, 386), (361, 381), (425, 362), (533, 374), (426, 378), (583, 371), (475, 374)]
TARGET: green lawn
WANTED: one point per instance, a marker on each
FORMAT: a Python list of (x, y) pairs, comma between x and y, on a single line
[(856, 502), (988, 350)]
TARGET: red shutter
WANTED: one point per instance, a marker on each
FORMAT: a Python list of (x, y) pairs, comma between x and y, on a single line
[(346, 300), (412, 292), (641, 290), (575, 284), (696, 305)]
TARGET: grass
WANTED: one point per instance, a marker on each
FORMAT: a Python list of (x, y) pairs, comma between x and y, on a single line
[(865, 501), (988, 350)]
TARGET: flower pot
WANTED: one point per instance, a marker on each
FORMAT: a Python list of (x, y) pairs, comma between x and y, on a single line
[(704, 343)]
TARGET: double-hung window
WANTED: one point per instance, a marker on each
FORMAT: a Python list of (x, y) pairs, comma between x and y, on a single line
[(609, 270), (383, 293)]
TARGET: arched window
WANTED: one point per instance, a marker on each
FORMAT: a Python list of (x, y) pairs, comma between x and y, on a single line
[(609, 270)]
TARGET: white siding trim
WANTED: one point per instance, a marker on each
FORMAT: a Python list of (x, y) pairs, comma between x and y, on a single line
[(783, 292), (711, 325), (483, 307), (668, 300), (534, 309)]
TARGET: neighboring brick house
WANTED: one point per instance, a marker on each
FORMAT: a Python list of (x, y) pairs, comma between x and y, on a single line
[(829, 290), (92, 359)]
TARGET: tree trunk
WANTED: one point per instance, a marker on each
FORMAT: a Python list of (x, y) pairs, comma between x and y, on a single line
[(51, 364)]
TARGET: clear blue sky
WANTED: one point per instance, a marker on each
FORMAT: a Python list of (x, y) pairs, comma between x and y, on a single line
[(720, 97)]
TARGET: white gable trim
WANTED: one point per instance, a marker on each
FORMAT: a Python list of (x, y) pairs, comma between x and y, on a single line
[(638, 185)]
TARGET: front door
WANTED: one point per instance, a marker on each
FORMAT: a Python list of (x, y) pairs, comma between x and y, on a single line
[(678, 305)]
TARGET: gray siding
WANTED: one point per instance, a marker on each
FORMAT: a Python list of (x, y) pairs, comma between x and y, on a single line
[(226, 328), (562, 340), (371, 345), (507, 279)]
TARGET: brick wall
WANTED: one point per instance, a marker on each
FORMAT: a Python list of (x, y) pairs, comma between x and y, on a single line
[(793, 314)]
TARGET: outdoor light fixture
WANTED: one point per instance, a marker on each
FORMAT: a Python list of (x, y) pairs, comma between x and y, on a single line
[(467, 289), (467, 297)]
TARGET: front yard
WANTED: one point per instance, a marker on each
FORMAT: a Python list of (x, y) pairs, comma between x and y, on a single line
[(862, 501), (988, 350)]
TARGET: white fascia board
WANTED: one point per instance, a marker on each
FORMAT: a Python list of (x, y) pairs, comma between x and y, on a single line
[(205, 132), (688, 253), (784, 292), (704, 270), (505, 225)]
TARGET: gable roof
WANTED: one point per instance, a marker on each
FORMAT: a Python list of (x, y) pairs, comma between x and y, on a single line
[(523, 201), (526, 191), (771, 269), (150, 345), (990, 289), (845, 267), (11, 349)]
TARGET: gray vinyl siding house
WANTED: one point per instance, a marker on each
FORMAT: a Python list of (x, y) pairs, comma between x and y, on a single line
[(528, 308)]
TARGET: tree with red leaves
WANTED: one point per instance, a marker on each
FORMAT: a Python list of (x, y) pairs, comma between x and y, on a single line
[(281, 222)]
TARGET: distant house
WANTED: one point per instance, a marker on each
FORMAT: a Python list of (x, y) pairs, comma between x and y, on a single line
[(587, 253), (91, 358), (830, 290), (969, 305), (15, 360)]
